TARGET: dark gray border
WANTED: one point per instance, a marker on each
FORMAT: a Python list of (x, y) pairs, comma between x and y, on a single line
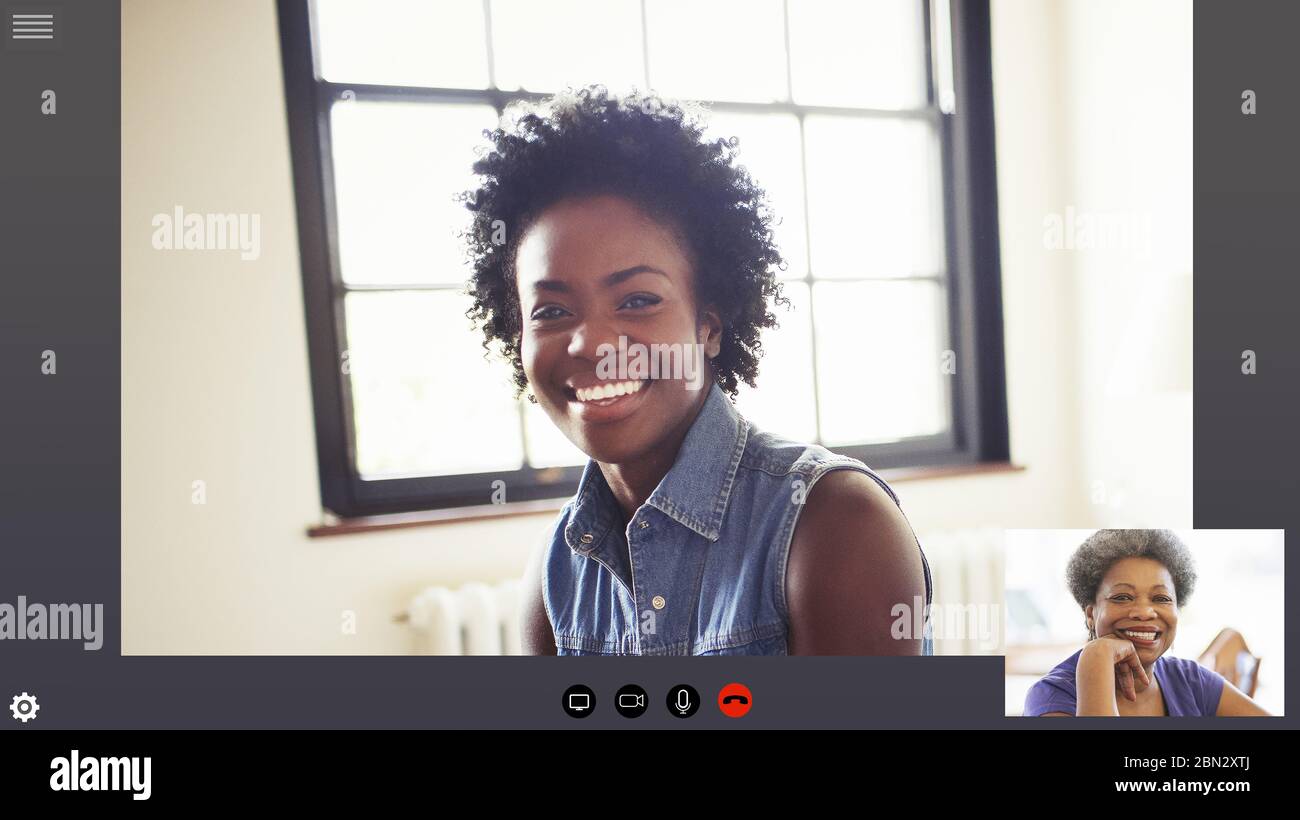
[(1247, 210)]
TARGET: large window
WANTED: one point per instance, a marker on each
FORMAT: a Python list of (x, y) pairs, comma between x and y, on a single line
[(868, 123)]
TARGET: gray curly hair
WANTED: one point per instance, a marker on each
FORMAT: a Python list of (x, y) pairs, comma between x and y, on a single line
[(1102, 549)]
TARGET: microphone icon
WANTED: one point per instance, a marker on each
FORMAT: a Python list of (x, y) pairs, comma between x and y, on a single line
[(682, 701)]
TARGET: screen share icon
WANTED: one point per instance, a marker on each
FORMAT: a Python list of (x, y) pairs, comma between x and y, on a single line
[(578, 701)]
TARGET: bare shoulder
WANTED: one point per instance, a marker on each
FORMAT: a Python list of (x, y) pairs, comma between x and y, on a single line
[(853, 559), (849, 519), (849, 493), (536, 633)]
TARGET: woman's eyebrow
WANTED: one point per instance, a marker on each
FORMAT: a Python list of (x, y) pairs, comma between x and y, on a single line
[(619, 276), (615, 278), (550, 284)]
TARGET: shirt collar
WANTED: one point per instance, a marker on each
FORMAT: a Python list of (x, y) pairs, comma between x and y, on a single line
[(695, 491)]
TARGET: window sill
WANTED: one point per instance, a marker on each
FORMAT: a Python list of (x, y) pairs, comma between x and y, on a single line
[(485, 512)]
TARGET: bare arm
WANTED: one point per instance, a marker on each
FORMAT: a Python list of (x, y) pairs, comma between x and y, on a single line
[(536, 634), (1236, 703), (852, 559)]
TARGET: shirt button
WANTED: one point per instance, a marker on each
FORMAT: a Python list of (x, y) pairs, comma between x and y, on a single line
[(658, 602), (644, 524), (587, 538)]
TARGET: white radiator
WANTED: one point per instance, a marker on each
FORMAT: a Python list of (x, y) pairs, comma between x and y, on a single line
[(968, 569), (475, 619)]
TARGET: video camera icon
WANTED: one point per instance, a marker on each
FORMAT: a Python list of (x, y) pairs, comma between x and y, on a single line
[(630, 701)]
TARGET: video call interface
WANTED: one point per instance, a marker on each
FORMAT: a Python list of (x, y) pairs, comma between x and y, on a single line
[(823, 365)]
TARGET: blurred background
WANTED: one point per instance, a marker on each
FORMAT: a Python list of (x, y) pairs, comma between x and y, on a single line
[(1093, 121), (1238, 587)]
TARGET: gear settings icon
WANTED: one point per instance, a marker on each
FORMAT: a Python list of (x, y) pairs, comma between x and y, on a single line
[(24, 707)]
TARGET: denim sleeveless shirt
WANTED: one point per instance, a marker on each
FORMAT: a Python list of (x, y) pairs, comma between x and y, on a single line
[(700, 569)]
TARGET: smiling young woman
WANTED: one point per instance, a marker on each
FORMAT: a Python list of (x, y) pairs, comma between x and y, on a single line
[(692, 531), (1131, 585)]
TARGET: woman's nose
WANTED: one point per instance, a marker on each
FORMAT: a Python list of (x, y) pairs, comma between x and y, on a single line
[(588, 335)]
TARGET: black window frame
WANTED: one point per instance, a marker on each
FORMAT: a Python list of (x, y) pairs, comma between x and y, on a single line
[(979, 433)]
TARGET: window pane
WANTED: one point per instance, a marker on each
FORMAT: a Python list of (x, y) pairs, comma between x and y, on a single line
[(873, 195), (858, 54), (403, 42), (770, 147), (783, 401), (547, 46), (424, 399), (879, 360), (396, 168), (547, 446), (717, 50)]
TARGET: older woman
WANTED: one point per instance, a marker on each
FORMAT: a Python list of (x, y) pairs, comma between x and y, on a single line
[(1131, 585)]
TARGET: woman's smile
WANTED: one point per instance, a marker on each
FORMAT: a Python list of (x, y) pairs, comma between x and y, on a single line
[(1141, 636), (600, 402)]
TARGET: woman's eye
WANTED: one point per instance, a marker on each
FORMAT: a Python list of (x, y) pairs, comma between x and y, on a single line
[(548, 312), (639, 300)]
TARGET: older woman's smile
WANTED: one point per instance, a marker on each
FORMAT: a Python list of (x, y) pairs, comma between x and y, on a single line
[(1143, 637)]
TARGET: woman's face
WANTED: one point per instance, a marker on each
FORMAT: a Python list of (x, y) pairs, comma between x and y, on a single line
[(1136, 600), (590, 270)]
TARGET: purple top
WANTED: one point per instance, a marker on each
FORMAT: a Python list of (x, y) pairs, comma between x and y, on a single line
[(1188, 688)]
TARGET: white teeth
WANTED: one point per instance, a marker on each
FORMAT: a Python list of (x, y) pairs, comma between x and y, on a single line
[(608, 390), (1142, 636)]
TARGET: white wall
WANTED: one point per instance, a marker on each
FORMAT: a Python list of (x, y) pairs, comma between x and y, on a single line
[(1129, 116), (215, 382)]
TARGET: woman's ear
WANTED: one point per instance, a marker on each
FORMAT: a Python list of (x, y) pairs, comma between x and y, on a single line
[(1087, 614), (708, 332)]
